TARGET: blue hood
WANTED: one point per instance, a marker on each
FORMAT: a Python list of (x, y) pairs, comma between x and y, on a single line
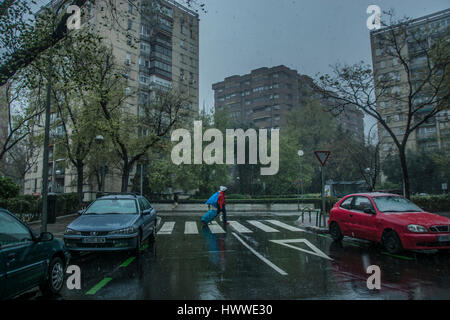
[(103, 222)]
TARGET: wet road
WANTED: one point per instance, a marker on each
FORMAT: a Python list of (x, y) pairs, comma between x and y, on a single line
[(257, 258)]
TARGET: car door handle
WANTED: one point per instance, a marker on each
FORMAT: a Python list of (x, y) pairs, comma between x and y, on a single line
[(351, 216)]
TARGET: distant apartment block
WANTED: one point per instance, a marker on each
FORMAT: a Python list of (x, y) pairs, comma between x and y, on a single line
[(265, 96), (434, 135)]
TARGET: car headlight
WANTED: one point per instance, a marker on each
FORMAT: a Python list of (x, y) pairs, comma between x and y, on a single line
[(416, 228), (123, 231), (73, 232)]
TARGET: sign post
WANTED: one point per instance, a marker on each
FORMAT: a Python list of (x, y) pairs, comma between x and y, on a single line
[(322, 156)]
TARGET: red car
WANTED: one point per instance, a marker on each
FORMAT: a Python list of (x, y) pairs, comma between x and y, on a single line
[(390, 219)]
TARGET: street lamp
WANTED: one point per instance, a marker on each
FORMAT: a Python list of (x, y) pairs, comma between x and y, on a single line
[(300, 154), (101, 140)]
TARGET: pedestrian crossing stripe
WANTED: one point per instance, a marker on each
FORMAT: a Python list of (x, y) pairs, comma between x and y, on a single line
[(262, 226), (215, 228), (284, 225), (167, 227), (191, 227), (239, 227)]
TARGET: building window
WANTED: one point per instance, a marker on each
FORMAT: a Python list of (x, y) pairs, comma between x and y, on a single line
[(128, 59)]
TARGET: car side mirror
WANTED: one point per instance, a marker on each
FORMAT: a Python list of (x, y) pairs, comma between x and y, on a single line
[(45, 236), (369, 211), (146, 212)]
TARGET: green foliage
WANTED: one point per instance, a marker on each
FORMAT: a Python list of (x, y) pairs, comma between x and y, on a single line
[(8, 189), (427, 171), (434, 203)]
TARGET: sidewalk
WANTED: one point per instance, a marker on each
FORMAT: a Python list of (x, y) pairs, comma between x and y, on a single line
[(56, 228)]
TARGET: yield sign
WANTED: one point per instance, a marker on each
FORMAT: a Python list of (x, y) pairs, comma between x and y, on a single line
[(322, 156), (314, 250)]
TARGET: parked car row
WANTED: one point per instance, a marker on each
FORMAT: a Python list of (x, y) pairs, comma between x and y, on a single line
[(111, 223)]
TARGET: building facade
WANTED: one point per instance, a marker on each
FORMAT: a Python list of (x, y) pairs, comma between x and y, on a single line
[(265, 96), (157, 43), (434, 134)]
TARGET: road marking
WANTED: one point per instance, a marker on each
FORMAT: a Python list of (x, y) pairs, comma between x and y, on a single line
[(262, 226), (397, 256), (268, 262), (284, 225), (190, 227), (215, 228), (167, 227), (315, 251), (239, 227), (127, 262), (98, 286)]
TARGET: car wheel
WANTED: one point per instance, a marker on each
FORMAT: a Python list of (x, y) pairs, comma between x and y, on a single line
[(55, 278), (392, 242), (335, 232)]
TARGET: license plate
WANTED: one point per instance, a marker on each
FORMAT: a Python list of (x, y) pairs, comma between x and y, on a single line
[(443, 238), (94, 240)]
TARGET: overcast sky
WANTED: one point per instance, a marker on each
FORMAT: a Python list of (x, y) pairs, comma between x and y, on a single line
[(237, 36)]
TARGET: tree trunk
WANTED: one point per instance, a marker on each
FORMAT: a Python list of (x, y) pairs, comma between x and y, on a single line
[(125, 176), (405, 177), (80, 178)]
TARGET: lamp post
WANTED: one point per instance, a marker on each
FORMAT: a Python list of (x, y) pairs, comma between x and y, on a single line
[(300, 154)]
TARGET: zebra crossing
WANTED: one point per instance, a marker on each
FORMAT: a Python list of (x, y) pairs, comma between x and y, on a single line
[(249, 226)]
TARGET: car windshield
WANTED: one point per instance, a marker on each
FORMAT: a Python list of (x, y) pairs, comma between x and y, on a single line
[(113, 206), (395, 205)]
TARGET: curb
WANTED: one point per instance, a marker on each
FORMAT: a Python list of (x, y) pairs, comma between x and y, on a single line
[(315, 229), (57, 218)]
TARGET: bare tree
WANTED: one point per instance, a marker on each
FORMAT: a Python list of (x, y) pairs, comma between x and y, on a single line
[(419, 87)]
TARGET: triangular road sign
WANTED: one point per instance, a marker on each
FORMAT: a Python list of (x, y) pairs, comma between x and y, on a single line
[(322, 156), (315, 251)]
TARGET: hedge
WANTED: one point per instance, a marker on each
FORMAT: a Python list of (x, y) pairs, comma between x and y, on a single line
[(29, 208), (329, 202), (437, 203)]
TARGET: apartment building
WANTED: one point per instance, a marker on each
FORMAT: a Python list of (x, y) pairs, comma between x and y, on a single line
[(265, 96), (157, 43), (434, 134)]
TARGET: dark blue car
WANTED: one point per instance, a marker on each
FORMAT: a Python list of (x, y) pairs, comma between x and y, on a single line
[(111, 223), (28, 260)]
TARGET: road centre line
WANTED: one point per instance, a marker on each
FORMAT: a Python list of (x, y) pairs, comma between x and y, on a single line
[(265, 260)]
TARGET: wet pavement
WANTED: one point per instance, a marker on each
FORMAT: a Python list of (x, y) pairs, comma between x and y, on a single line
[(257, 258)]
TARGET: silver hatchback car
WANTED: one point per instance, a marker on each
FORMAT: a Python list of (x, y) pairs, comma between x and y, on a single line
[(111, 223)]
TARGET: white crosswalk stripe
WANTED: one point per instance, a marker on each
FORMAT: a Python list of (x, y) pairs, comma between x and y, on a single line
[(190, 227), (262, 226), (284, 225), (215, 228), (239, 227), (167, 227)]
